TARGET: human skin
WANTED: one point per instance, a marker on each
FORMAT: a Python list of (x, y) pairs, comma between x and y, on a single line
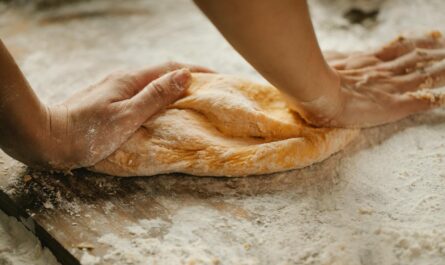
[(276, 37), (359, 90), (92, 123)]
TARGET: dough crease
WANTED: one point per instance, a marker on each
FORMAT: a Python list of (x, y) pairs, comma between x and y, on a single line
[(225, 126)]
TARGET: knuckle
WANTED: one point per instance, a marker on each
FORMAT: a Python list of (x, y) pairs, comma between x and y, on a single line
[(420, 52), (159, 92), (127, 80), (130, 80), (125, 111)]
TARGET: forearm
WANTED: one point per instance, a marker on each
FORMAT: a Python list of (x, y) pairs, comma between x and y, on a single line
[(89, 126), (23, 118), (278, 39)]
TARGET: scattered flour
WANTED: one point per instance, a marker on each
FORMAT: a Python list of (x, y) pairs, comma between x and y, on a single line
[(20, 247), (88, 259), (383, 204)]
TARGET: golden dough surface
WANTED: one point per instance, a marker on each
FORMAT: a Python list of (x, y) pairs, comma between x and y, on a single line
[(225, 126)]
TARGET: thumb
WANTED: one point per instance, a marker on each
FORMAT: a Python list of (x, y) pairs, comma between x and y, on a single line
[(160, 93)]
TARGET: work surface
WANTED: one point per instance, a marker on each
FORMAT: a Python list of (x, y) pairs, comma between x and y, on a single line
[(381, 201)]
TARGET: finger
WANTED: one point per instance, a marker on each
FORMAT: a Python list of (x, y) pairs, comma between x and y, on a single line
[(403, 45), (390, 52), (416, 59), (434, 97), (172, 66), (402, 106), (430, 77), (362, 62), (365, 74), (419, 101), (350, 60), (159, 93), (356, 63), (146, 75)]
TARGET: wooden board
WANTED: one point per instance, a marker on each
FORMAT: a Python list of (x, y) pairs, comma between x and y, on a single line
[(69, 213)]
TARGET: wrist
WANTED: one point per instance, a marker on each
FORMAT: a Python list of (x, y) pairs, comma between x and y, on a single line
[(57, 146), (326, 104)]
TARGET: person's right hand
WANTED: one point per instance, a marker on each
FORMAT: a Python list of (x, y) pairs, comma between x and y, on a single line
[(94, 122), (381, 86)]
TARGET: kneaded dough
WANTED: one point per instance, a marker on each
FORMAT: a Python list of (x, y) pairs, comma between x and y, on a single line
[(225, 126)]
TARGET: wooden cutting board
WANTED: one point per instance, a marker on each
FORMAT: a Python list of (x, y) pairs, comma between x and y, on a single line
[(70, 213)]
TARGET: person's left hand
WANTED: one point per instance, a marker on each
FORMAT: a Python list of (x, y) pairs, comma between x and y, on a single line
[(94, 122), (383, 85)]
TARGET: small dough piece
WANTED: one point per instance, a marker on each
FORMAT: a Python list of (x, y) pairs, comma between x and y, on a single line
[(225, 126)]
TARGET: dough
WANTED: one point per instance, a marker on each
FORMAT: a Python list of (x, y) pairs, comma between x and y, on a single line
[(225, 126)]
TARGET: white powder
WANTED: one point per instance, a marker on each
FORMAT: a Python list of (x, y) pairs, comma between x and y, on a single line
[(88, 259), (381, 204), (20, 247)]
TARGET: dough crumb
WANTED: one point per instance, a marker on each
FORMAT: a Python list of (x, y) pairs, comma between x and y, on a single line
[(364, 211)]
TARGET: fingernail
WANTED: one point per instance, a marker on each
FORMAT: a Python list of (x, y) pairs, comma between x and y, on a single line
[(182, 78)]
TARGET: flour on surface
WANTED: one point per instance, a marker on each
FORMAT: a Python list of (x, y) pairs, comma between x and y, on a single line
[(18, 246), (381, 203)]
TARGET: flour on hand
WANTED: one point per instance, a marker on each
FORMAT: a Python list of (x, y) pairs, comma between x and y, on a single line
[(226, 126)]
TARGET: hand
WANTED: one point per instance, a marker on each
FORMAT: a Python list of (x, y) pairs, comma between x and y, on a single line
[(94, 122), (382, 86)]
